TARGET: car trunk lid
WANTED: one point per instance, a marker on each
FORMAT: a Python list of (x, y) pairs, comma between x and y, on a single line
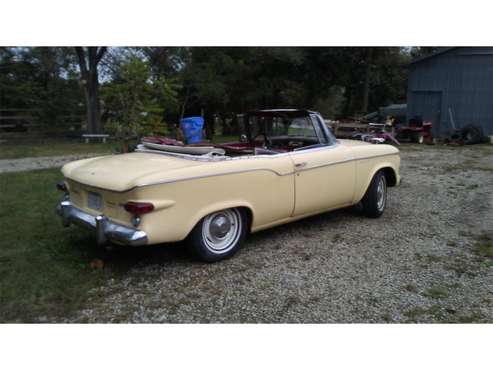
[(123, 172)]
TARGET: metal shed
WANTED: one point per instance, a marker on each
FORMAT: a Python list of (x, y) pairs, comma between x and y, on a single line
[(453, 85)]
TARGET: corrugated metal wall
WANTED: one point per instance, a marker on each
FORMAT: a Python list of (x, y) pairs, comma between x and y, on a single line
[(457, 82)]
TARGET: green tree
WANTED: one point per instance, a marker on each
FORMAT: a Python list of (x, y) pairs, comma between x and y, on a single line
[(373, 77), (219, 82), (136, 100), (39, 79), (216, 82)]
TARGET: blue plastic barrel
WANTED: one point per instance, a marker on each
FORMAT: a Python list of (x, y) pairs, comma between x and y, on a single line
[(192, 129)]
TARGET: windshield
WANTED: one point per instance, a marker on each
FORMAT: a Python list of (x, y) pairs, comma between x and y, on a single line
[(274, 126)]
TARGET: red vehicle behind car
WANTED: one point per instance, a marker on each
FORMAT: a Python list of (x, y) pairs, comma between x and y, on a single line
[(417, 131)]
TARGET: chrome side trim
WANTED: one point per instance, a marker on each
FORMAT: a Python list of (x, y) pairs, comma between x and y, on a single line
[(238, 172), (325, 165), (184, 179), (106, 230), (214, 175), (343, 161)]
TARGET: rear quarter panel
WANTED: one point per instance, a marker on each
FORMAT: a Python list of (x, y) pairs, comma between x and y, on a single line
[(263, 185), (268, 195)]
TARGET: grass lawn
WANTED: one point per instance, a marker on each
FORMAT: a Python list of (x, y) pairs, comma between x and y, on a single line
[(44, 268), (19, 147), (52, 147)]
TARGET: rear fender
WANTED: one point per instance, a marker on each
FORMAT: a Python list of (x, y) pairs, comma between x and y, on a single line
[(211, 208)]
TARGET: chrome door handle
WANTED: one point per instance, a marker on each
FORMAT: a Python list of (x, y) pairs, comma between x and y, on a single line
[(300, 165)]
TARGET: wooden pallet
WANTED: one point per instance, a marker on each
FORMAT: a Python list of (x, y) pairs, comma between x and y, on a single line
[(347, 129)]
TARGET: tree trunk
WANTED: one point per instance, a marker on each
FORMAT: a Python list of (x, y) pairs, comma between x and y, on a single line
[(184, 104), (125, 145), (366, 89), (348, 100), (89, 76), (93, 106), (209, 125), (366, 85)]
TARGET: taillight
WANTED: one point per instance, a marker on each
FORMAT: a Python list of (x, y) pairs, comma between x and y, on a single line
[(138, 208)]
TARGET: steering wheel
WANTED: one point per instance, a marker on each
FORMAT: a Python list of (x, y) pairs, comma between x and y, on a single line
[(267, 141)]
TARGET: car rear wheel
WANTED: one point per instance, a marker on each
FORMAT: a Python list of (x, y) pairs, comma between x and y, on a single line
[(218, 235), (375, 199)]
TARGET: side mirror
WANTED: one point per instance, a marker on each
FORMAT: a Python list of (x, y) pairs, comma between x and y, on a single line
[(243, 138)]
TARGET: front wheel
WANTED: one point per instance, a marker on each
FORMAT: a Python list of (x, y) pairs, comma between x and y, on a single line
[(375, 199), (218, 235)]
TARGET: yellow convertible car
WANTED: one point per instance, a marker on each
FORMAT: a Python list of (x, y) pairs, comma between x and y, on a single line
[(287, 165)]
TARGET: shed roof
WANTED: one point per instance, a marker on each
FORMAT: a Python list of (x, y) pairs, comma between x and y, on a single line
[(432, 55)]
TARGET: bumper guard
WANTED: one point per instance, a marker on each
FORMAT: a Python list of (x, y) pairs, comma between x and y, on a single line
[(105, 229)]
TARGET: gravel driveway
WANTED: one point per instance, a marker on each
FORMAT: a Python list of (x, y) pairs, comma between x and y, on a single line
[(425, 260), (37, 163)]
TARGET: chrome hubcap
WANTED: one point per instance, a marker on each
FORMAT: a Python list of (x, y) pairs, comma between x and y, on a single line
[(220, 226), (221, 230), (381, 193)]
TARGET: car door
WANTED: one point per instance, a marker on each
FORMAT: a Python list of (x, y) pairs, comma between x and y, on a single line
[(324, 178)]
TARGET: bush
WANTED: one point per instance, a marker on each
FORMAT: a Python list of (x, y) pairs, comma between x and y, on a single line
[(136, 101)]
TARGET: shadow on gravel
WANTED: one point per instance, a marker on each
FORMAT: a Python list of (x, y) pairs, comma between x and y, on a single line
[(121, 259), (309, 225)]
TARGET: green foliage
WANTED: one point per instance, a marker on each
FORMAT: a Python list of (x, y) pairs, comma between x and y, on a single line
[(332, 104), (486, 250), (224, 80), (144, 87), (41, 80), (437, 292), (239, 79), (383, 67), (484, 245), (136, 100), (422, 51)]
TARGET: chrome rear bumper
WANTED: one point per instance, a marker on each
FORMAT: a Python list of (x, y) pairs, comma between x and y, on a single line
[(105, 229)]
